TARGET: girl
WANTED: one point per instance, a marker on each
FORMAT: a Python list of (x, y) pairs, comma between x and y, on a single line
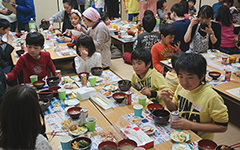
[(228, 43), (64, 15), (161, 9), (105, 19), (20, 120), (186, 7), (87, 55), (76, 19), (100, 35)]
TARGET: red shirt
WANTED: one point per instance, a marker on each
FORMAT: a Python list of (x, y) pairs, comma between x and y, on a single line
[(31, 66), (161, 52)]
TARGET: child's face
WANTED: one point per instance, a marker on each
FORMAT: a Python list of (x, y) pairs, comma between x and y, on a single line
[(167, 40), (75, 20), (140, 67), (82, 48), (34, 51), (67, 7), (191, 4), (164, 5), (107, 21), (189, 81)]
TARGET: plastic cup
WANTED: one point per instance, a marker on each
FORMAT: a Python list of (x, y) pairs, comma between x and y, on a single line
[(62, 93), (142, 100), (33, 78), (224, 59), (91, 123), (137, 110), (92, 80), (228, 75), (65, 142), (232, 59)]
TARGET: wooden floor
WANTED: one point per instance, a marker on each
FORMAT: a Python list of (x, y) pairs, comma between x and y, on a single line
[(231, 136)]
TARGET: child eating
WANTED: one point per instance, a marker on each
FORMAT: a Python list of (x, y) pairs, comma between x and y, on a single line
[(200, 108), (145, 78), (35, 62)]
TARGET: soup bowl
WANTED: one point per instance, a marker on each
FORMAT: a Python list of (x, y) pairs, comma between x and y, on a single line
[(124, 85), (107, 144), (48, 94), (74, 112), (38, 84), (86, 139), (160, 116), (119, 97), (53, 81), (206, 144), (127, 144), (97, 71)]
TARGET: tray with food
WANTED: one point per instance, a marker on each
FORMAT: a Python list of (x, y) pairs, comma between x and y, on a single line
[(180, 135)]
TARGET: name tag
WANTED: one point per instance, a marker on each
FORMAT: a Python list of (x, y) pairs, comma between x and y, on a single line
[(198, 108)]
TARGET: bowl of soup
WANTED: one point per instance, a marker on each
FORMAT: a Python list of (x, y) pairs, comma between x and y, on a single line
[(160, 116), (119, 97), (206, 144), (53, 81), (127, 144), (70, 45), (38, 84), (46, 94), (214, 74), (124, 85), (223, 147), (81, 143), (96, 71), (107, 145), (74, 112), (154, 106)]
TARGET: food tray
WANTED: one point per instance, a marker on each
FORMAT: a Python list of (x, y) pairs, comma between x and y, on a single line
[(102, 101)]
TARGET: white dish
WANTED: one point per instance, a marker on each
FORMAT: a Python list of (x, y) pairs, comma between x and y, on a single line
[(148, 129), (180, 146), (76, 33), (68, 91), (72, 102), (105, 92), (99, 79), (83, 132), (111, 87), (4, 38), (128, 37), (180, 135), (102, 101), (68, 85)]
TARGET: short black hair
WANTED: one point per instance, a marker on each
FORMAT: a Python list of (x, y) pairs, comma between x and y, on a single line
[(185, 5), (104, 16), (178, 8), (224, 16), (86, 41), (167, 29), (4, 24), (228, 2), (175, 57), (35, 38), (160, 4), (194, 1), (72, 3), (148, 12), (142, 54), (205, 11), (149, 22), (191, 63)]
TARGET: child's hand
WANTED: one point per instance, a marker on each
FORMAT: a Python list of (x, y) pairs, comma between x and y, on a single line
[(181, 124), (84, 54), (66, 39), (79, 27), (194, 21), (9, 37), (165, 9), (50, 28), (208, 30), (165, 95), (146, 91), (67, 32), (177, 46)]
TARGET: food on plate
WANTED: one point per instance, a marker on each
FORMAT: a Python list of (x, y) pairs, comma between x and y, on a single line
[(127, 147), (224, 147), (72, 95), (147, 129), (79, 130), (98, 89), (108, 136), (208, 79), (179, 148), (107, 78), (179, 136), (111, 87), (107, 93), (74, 112), (68, 85), (217, 55), (67, 80), (80, 144), (135, 120), (73, 127), (98, 79), (65, 123)]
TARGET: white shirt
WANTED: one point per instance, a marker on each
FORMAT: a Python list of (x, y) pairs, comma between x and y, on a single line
[(42, 143)]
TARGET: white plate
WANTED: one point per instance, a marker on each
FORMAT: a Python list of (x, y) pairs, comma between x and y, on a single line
[(85, 130), (4, 38), (112, 87), (108, 95), (71, 102), (75, 32), (148, 129), (175, 134), (68, 85), (179, 146), (68, 91), (99, 79)]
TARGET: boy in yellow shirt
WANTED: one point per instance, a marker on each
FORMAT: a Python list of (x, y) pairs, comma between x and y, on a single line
[(132, 8), (145, 78), (200, 108)]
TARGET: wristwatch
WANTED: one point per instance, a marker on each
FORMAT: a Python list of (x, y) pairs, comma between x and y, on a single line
[(212, 34)]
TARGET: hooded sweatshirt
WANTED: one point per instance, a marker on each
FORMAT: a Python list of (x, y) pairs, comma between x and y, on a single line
[(131, 6)]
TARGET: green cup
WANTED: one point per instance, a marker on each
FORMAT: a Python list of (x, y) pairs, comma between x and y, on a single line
[(33, 78), (92, 80), (142, 100), (65, 142), (91, 123), (62, 93)]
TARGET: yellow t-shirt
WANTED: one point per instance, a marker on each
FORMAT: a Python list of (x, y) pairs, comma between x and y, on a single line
[(202, 105), (172, 81), (131, 6), (152, 80)]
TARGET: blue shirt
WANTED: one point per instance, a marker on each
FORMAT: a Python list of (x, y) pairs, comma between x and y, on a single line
[(25, 11), (215, 8), (181, 28)]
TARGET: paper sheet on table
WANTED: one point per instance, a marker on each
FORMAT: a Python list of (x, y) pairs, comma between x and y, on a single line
[(235, 92), (46, 46)]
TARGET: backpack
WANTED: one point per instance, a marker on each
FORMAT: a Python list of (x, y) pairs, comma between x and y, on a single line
[(44, 24)]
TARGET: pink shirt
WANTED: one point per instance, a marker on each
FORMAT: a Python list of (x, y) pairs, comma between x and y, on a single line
[(227, 36)]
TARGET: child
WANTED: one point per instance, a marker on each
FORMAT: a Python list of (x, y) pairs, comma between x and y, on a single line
[(186, 8), (233, 10), (228, 43), (171, 76), (22, 102), (145, 78), (87, 55), (35, 62), (132, 8), (200, 108), (105, 19), (161, 9), (180, 24), (148, 38), (76, 19), (192, 9), (163, 50)]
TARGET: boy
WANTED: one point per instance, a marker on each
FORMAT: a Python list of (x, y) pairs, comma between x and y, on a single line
[(163, 50), (35, 62), (233, 10), (132, 8), (148, 38), (145, 78), (171, 76), (180, 24), (200, 108), (215, 7), (191, 4)]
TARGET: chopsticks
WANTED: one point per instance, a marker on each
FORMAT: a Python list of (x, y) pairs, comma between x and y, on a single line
[(234, 145), (168, 92), (47, 92), (53, 134)]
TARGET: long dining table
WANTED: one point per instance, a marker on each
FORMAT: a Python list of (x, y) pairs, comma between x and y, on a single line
[(111, 117)]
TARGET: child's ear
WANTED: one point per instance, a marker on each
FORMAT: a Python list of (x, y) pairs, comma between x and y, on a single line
[(162, 36), (149, 64), (203, 76)]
